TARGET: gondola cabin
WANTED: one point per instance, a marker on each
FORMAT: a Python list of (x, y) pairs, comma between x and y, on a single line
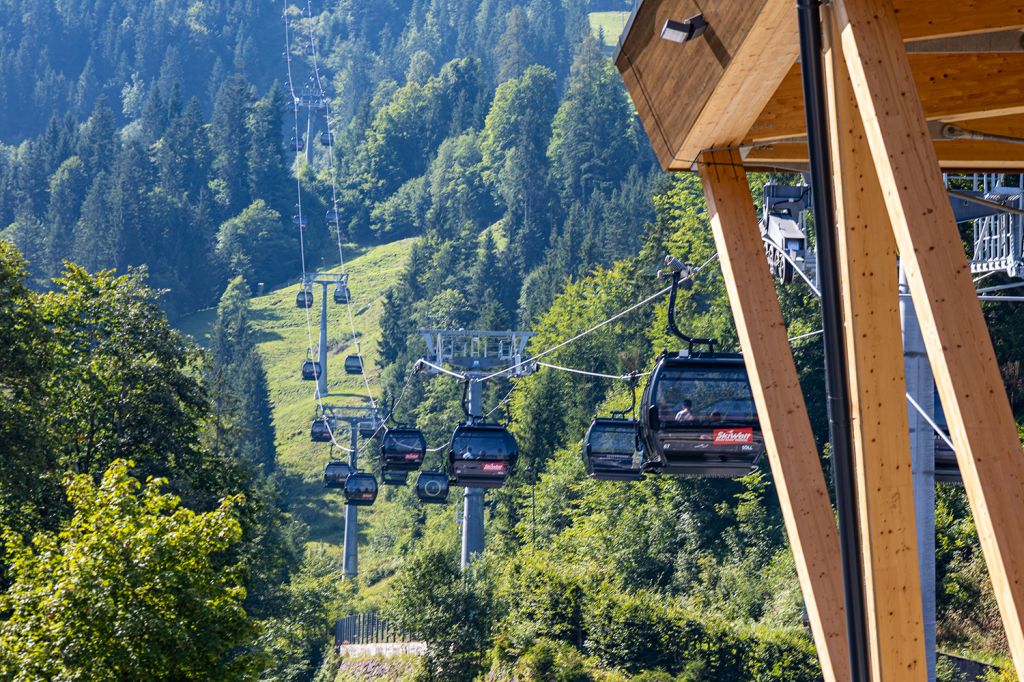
[(321, 429), (370, 427), (698, 417), (432, 487), (402, 449), (361, 489), (326, 139), (332, 217), (612, 451), (481, 455), (947, 469), (298, 144), (353, 365), (310, 370), (342, 295), (336, 473), (304, 298), (392, 477), (300, 221)]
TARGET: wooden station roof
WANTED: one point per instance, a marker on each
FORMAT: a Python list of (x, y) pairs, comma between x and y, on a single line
[(739, 83)]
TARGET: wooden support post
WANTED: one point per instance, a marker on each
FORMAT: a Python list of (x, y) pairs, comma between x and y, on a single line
[(792, 451), (959, 348), (874, 354)]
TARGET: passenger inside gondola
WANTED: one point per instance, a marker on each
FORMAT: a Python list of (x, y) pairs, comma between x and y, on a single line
[(705, 396)]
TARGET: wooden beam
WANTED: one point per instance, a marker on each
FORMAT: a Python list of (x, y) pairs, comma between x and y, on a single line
[(952, 87), (1000, 41), (959, 347), (792, 451), (874, 355), (954, 155)]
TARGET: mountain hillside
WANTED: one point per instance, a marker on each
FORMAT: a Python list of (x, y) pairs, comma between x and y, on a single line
[(281, 338)]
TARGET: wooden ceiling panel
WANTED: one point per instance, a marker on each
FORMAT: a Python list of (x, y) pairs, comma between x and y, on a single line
[(952, 87), (925, 19)]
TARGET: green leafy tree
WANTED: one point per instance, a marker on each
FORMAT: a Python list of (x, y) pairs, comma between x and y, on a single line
[(121, 381), (432, 600), (132, 588), (251, 245)]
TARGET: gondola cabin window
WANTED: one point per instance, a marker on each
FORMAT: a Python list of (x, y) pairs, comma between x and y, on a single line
[(705, 396)]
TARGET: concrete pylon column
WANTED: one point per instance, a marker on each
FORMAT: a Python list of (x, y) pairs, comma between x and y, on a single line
[(351, 548), (921, 387), (473, 498), (321, 382)]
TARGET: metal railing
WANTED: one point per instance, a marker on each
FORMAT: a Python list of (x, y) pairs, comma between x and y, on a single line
[(366, 628)]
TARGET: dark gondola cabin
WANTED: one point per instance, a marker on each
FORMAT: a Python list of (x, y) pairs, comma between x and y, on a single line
[(342, 295), (698, 417), (361, 489), (336, 473), (310, 370), (481, 455), (300, 221), (402, 449), (432, 487), (326, 139), (369, 428), (331, 217), (298, 144), (353, 365), (304, 298), (321, 429), (611, 450), (392, 477), (947, 469)]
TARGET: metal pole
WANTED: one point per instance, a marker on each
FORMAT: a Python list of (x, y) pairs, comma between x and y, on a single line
[(321, 381), (351, 551), (921, 387), (836, 378), (473, 498)]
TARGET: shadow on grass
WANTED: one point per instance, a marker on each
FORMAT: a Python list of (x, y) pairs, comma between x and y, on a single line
[(321, 512)]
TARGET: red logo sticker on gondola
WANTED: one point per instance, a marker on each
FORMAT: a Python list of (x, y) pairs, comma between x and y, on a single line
[(734, 436), (412, 455), (497, 467)]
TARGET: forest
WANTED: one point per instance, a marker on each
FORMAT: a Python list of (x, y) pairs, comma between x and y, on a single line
[(161, 511)]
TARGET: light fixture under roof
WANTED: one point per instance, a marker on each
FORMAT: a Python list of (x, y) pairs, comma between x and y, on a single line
[(683, 31)]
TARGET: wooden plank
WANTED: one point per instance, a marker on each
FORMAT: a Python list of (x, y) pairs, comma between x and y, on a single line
[(792, 451), (959, 347), (922, 18), (879, 425), (960, 155), (952, 87)]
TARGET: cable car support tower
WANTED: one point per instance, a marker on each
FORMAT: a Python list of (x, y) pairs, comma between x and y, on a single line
[(471, 354)]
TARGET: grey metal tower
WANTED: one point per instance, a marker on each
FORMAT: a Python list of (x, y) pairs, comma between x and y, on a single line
[(475, 354), (365, 421)]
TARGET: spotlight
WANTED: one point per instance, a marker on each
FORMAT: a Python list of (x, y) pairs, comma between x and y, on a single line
[(683, 31)]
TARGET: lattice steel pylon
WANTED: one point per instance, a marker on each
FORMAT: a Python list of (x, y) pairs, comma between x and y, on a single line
[(477, 350)]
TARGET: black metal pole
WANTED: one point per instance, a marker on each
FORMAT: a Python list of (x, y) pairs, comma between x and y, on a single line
[(836, 379)]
